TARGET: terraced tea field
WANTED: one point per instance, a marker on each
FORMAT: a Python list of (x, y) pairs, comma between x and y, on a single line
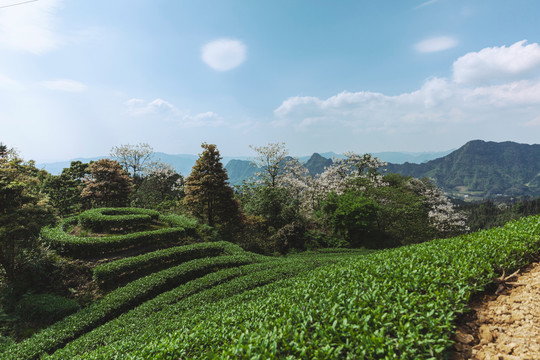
[(214, 300)]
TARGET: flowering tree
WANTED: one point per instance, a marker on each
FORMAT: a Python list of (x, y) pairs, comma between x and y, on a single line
[(135, 159), (270, 159), (443, 215)]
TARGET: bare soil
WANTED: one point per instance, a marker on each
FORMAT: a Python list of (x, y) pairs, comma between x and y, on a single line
[(504, 326)]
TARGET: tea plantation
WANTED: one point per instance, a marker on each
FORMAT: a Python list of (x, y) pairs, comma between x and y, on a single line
[(189, 300)]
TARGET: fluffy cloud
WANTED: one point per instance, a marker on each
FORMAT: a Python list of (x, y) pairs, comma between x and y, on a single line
[(30, 27), (161, 109), (438, 102), (64, 85), (139, 107), (436, 44), (224, 54), (496, 64), (465, 99)]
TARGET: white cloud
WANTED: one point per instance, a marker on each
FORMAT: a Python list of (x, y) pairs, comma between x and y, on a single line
[(437, 104), (139, 107), (64, 85), (533, 123), (426, 3), (438, 101), (496, 64), (162, 109), (224, 54), (30, 27), (436, 44)]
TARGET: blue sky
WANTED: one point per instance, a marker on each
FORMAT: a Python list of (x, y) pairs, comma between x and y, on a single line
[(79, 77)]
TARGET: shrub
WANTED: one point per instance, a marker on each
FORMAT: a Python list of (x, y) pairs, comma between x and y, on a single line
[(45, 308), (181, 230), (116, 303), (114, 219), (113, 272), (76, 246), (393, 304)]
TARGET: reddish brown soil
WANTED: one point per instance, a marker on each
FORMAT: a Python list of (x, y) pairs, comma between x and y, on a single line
[(504, 326)]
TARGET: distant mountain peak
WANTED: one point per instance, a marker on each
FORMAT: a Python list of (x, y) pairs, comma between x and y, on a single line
[(316, 164), (482, 169)]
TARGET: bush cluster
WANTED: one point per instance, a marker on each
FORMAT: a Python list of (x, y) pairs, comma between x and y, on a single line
[(158, 317), (113, 272), (86, 246), (76, 246), (45, 308), (399, 303), (116, 219), (118, 302)]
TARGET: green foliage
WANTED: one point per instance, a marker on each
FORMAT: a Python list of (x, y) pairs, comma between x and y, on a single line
[(5, 342), (482, 170), (272, 203), (162, 188), (109, 185), (45, 308), (64, 190), (81, 246), (23, 211), (158, 317), (208, 194), (402, 214), (114, 219), (72, 245), (488, 214), (400, 303), (113, 273), (118, 302), (351, 215)]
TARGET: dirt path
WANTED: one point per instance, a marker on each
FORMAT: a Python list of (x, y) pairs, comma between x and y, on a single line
[(504, 326)]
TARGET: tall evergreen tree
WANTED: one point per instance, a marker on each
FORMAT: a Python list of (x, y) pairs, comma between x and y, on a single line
[(208, 194)]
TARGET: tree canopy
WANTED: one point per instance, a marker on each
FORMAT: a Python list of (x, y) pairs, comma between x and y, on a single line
[(208, 194), (23, 210), (107, 185)]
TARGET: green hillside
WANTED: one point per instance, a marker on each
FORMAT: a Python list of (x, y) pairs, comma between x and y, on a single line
[(215, 300), (480, 170)]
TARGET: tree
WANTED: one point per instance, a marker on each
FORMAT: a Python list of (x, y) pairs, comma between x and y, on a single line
[(134, 158), (108, 185), (270, 158), (208, 194), (162, 186), (443, 215), (23, 210), (64, 190), (351, 215)]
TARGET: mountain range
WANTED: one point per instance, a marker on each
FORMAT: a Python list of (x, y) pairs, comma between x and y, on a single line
[(477, 170), (480, 170), (184, 162)]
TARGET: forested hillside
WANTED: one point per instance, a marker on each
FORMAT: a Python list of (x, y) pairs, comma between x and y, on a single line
[(480, 170)]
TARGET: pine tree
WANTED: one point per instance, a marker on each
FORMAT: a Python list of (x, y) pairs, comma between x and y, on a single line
[(208, 194)]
